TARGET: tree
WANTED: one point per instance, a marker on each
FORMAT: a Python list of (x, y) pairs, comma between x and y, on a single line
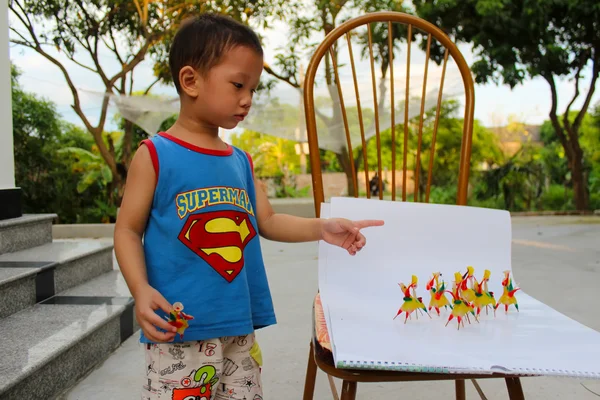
[(274, 158), (320, 19), (130, 30), (271, 156), (595, 172), (485, 149), (49, 186), (517, 40)]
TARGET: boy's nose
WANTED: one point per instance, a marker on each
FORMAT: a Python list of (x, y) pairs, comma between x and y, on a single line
[(247, 101)]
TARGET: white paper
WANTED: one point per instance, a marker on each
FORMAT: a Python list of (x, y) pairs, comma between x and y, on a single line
[(361, 296), (323, 293)]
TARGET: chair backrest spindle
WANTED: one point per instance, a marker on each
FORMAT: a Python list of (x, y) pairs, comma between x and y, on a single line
[(422, 117), (360, 117), (406, 103), (376, 108), (392, 102), (435, 127), (344, 116), (328, 48)]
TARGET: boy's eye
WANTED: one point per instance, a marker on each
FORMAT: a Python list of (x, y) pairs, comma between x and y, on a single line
[(237, 85)]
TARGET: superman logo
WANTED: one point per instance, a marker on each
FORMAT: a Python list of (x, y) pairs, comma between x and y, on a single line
[(219, 238)]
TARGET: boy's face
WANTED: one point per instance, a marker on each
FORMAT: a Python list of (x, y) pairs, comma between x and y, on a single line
[(223, 96)]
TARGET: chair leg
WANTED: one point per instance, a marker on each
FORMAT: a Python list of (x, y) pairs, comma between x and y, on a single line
[(460, 389), (348, 390), (311, 375), (332, 387), (515, 390)]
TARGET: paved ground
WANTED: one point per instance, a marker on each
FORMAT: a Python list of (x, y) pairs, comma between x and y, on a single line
[(555, 259)]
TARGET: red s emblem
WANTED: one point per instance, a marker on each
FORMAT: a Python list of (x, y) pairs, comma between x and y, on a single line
[(219, 238)]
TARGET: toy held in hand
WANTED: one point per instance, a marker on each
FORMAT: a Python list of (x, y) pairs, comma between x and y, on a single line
[(179, 319)]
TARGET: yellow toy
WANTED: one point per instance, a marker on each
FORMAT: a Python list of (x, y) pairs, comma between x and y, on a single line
[(436, 290), (179, 319), (483, 297), (508, 293), (467, 292), (462, 307), (411, 303)]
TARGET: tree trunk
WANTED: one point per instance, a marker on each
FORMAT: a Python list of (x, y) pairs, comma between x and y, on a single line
[(580, 192), (570, 143), (345, 161), (574, 155), (119, 191), (127, 146)]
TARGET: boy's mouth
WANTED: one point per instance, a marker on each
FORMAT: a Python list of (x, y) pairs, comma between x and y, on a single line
[(240, 117)]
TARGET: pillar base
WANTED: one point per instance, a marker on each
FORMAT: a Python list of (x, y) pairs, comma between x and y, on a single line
[(10, 203)]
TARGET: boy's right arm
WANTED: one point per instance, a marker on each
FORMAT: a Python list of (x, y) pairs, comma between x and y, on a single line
[(129, 229)]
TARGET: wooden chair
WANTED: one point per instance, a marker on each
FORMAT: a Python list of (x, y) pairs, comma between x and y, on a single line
[(320, 357)]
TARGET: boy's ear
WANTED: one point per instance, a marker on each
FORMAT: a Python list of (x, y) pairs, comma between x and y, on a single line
[(188, 80)]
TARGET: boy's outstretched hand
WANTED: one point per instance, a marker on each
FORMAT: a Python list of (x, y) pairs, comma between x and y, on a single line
[(346, 234)]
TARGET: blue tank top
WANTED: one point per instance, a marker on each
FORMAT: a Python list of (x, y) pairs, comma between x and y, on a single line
[(201, 242)]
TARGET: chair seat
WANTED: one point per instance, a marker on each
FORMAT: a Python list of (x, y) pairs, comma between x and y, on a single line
[(321, 332)]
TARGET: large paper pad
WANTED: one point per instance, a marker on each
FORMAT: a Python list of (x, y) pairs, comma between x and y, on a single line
[(361, 296)]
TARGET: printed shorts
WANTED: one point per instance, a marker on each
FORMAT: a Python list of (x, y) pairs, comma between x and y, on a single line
[(219, 369)]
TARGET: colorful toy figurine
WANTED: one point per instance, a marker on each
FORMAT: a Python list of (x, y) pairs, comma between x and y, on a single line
[(508, 293), (467, 292), (179, 319), (436, 290), (462, 307), (411, 301), (469, 296), (483, 298), (419, 299)]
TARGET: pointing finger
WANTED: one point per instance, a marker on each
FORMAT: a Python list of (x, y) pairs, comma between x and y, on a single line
[(368, 222)]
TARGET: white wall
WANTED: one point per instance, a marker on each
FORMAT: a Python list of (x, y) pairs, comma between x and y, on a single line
[(7, 166)]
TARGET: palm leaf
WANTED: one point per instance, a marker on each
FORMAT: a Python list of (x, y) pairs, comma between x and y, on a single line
[(88, 179), (82, 155)]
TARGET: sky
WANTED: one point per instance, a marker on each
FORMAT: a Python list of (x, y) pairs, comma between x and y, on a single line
[(494, 104)]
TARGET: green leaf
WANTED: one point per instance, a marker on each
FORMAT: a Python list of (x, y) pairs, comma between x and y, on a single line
[(82, 155), (87, 180), (106, 174)]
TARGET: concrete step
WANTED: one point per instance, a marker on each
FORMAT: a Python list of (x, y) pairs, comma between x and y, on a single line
[(33, 275), (47, 348), (25, 232)]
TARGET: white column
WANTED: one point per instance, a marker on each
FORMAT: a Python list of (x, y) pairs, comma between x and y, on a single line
[(10, 196), (7, 159)]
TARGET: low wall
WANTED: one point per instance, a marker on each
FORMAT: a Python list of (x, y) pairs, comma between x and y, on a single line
[(298, 207), (88, 231), (335, 183)]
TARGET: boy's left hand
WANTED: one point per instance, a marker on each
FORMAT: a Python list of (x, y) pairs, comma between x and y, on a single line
[(346, 234)]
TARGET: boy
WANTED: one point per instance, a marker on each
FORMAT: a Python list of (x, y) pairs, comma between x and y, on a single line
[(193, 199)]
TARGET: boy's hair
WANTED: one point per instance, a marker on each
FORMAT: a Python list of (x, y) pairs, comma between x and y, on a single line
[(201, 41)]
